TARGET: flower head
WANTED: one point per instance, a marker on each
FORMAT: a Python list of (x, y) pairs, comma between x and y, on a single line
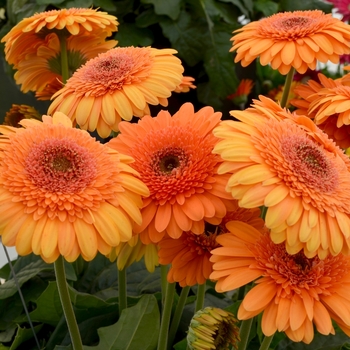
[(240, 96), (293, 291), (27, 35), (185, 85), (189, 254), (213, 328), (19, 112), (63, 193), (118, 84), (173, 155), (40, 70), (292, 39), (284, 162)]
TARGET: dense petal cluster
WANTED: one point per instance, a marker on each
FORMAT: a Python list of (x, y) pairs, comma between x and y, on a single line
[(189, 255), (328, 103), (286, 163), (118, 84), (173, 155), (293, 292), (18, 112), (64, 193), (292, 39)]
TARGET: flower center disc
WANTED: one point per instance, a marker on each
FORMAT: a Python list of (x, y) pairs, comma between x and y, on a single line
[(60, 165)]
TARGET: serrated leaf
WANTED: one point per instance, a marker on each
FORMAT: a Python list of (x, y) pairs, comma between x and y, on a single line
[(187, 36), (168, 8), (48, 306), (130, 35), (9, 288), (137, 328), (24, 334)]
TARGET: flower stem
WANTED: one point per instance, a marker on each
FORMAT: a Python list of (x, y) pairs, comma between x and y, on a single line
[(244, 332), (177, 315), (122, 290), (64, 57), (286, 88), (265, 345), (200, 297), (166, 314), (67, 304), (163, 276)]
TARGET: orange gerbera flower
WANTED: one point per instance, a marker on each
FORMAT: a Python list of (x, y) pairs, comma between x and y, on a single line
[(327, 102), (292, 39), (40, 70), (62, 192), (189, 255), (27, 35), (118, 84), (19, 112), (185, 85), (286, 163), (173, 155), (292, 291), (244, 88)]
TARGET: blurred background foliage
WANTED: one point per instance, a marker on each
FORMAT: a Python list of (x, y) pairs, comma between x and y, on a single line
[(200, 30)]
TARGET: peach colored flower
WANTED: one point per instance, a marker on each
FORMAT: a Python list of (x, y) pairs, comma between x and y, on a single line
[(173, 155), (64, 193), (293, 292), (118, 84), (292, 39), (19, 112), (286, 163)]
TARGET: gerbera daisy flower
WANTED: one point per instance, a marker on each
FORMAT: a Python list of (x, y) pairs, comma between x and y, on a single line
[(293, 291), (286, 163), (189, 254), (19, 112), (41, 71), (64, 193), (173, 155), (118, 84), (26, 36), (213, 328), (126, 253), (292, 39), (327, 102), (240, 96)]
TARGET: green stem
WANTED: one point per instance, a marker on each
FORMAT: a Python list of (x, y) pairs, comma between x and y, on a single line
[(200, 297), (263, 212), (164, 282), (287, 85), (244, 332), (166, 314), (265, 345), (122, 290), (177, 315), (67, 304), (64, 57), (241, 293)]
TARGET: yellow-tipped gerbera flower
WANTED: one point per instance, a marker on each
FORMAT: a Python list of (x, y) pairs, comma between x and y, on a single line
[(28, 34), (118, 84), (292, 39), (64, 193)]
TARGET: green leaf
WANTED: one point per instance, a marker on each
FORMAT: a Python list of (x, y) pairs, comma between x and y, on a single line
[(24, 334), (245, 6), (26, 273), (130, 35), (186, 36), (106, 5), (294, 5), (148, 18), (49, 309), (49, 2), (137, 328), (168, 8), (6, 336), (182, 345), (266, 7)]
